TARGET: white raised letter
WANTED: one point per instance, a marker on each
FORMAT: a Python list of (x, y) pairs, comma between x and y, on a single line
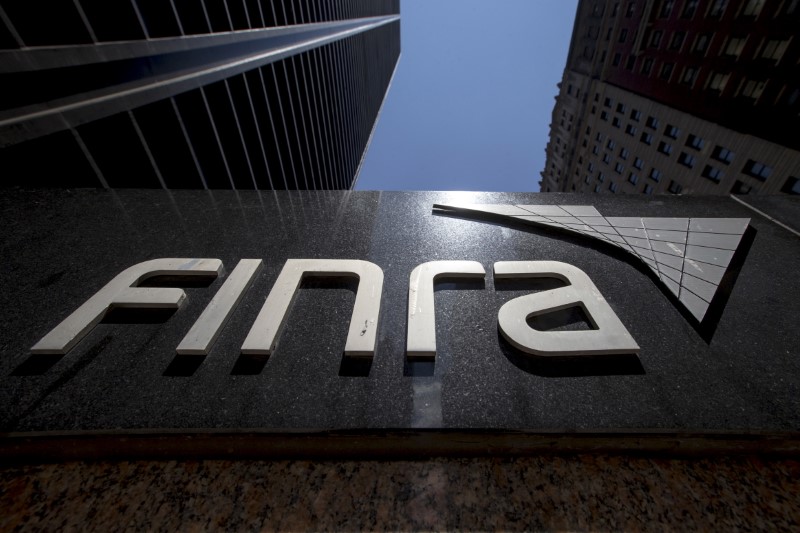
[(122, 291), (421, 339), (205, 331), (361, 336), (608, 337)]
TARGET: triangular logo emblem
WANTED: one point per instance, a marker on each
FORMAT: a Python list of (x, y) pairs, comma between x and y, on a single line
[(690, 256)]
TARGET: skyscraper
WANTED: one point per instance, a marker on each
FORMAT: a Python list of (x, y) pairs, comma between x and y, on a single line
[(678, 96), (244, 94)]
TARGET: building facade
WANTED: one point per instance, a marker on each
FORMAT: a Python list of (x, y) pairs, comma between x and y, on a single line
[(239, 94), (681, 97)]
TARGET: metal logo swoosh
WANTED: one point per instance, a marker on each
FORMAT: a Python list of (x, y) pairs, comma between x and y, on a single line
[(690, 256)]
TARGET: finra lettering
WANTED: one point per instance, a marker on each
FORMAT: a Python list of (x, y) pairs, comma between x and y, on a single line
[(607, 336)]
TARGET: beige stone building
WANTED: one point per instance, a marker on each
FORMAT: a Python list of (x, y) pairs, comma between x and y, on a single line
[(678, 97)]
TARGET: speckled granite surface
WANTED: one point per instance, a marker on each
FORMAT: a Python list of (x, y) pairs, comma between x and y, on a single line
[(585, 492)]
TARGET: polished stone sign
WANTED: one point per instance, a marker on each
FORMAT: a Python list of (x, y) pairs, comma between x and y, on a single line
[(338, 317)]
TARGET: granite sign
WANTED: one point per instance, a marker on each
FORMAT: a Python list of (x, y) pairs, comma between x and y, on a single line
[(291, 315)]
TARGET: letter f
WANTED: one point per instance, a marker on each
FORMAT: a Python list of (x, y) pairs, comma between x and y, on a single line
[(122, 291)]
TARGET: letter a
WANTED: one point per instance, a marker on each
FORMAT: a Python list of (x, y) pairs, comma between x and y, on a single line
[(609, 336)]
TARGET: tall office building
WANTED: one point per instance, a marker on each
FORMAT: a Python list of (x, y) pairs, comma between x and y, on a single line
[(244, 94), (679, 96)]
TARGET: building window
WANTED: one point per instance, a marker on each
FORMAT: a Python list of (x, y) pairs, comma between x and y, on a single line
[(753, 89), (792, 186), (760, 171), (718, 81), (588, 52), (655, 38), (666, 71), (753, 8), (612, 187), (621, 108), (686, 160), (647, 66), (672, 131), (606, 159), (694, 141), (604, 115), (623, 153), (590, 167), (712, 173), (664, 148), (599, 136), (638, 163), (677, 40), (617, 59), (611, 144), (619, 168), (646, 138), (633, 178), (630, 129), (666, 8), (774, 49), (721, 153), (601, 177), (654, 175), (717, 8), (674, 187), (735, 46), (631, 9), (648, 189), (689, 9), (636, 115), (596, 188), (701, 43), (631, 61), (587, 178), (689, 75), (652, 122), (623, 34), (595, 150), (607, 102), (616, 122)]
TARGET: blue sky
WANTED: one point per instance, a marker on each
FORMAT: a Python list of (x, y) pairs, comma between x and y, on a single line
[(472, 96)]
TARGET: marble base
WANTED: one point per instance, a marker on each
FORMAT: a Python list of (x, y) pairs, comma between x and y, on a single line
[(580, 492)]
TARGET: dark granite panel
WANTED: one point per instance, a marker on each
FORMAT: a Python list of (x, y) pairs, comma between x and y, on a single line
[(59, 247), (785, 209)]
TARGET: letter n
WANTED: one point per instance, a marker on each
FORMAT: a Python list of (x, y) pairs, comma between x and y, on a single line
[(362, 334)]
